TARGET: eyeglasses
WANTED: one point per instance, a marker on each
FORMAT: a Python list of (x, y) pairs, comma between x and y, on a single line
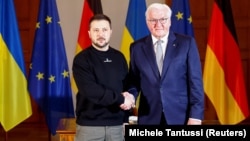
[(162, 20)]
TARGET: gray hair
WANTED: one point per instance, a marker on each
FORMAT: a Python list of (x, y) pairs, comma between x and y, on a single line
[(161, 6)]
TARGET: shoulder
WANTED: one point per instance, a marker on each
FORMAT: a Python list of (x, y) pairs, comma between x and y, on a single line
[(115, 51), (141, 43), (142, 40), (182, 36), (83, 53)]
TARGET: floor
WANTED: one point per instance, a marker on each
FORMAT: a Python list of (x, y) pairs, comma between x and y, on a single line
[(25, 133), (33, 132)]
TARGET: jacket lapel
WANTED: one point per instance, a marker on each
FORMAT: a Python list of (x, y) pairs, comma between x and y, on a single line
[(149, 53), (170, 53)]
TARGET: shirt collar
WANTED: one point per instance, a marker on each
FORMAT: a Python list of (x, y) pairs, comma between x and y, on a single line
[(164, 38)]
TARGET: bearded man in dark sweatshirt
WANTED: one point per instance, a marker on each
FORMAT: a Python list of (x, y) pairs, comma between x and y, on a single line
[(100, 73)]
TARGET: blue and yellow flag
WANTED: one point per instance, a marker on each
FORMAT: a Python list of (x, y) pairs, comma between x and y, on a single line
[(135, 26), (181, 17), (49, 79), (15, 105)]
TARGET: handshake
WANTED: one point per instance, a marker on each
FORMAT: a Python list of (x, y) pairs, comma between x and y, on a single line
[(129, 101)]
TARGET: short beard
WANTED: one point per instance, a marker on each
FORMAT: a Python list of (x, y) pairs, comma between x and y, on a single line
[(101, 46)]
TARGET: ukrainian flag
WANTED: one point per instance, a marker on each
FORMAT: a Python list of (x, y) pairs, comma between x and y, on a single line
[(15, 105), (135, 26)]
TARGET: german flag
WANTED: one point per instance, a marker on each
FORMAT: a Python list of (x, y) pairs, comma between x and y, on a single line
[(223, 73), (90, 7)]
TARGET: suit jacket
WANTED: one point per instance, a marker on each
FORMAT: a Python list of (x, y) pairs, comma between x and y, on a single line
[(178, 92)]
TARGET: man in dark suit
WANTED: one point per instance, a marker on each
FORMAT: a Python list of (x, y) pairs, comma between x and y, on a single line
[(173, 93)]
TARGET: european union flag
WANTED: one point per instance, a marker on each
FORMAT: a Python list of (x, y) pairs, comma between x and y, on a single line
[(49, 80), (181, 17)]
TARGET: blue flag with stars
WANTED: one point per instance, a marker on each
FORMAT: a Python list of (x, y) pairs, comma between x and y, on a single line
[(49, 80), (181, 17)]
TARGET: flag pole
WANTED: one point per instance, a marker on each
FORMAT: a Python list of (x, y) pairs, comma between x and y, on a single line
[(49, 135), (4, 132), (6, 136)]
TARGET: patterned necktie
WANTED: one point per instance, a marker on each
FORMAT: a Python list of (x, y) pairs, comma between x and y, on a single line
[(159, 55)]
